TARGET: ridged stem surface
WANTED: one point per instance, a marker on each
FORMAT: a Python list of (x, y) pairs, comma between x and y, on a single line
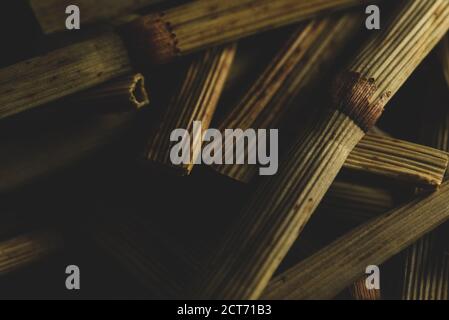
[(195, 100), (62, 72), (329, 271), (283, 204)]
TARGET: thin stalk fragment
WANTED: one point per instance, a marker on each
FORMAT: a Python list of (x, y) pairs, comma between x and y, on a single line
[(426, 273), (126, 93), (22, 250), (195, 100), (392, 159), (282, 204), (62, 72), (305, 56), (29, 157), (332, 269), (201, 24), (399, 160)]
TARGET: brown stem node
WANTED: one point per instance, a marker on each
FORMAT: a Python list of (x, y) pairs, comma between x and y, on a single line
[(151, 39), (352, 95)]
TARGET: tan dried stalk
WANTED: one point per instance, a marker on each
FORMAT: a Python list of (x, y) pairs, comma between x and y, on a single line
[(200, 24), (303, 58), (126, 93), (329, 271), (386, 157), (150, 256), (30, 157), (345, 206), (22, 250), (62, 72), (426, 274), (283, 204), (427, 268), (399, 160), (195, 100)]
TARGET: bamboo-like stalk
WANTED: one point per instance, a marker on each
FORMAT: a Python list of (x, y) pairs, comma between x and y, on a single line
[(51, 13), (200, 24), (126, 93), (333, 268), (62, 72), (445, 57), (305, 55), (283, 204), (386, 157), (345, 206), (426, 274), (150, 256), (195, 100), (399, 160), (25, 249), (427, 268), (42, 153), (138, 245), (348, 205)]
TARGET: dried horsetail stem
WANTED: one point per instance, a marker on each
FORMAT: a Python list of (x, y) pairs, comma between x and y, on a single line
[(62, 72), (326, 273), (427, 268), (289, 72), (195, 100), (201, 24), (126, 93), (51, 14), (398, 160), (30, 157), (127, 239), (426, 274), (282, 205), (345, 206), (306, 54), (20, 251)]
